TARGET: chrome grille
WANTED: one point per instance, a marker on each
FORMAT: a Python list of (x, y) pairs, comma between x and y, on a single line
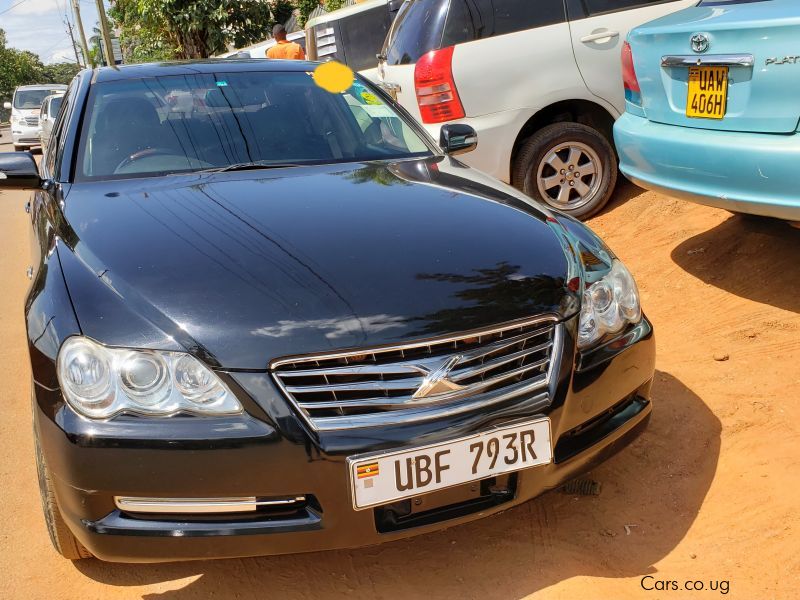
[(32, 121), (422, 380)]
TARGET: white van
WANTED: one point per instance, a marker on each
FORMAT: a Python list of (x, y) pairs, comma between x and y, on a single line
[(539, 80), (25, 107)]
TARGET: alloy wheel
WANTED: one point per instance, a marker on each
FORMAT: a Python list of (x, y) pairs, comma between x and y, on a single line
[(569, 175)]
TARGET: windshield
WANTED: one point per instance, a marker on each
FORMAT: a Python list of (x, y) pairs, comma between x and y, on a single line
[(182, 123), (29, 99)]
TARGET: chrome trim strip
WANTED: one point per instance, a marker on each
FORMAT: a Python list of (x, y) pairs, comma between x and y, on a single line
[(410, 383), (198, 505), (710, 60), (397, 368)]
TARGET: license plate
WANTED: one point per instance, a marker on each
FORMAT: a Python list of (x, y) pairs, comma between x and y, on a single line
[(708, 92), (390, 476)]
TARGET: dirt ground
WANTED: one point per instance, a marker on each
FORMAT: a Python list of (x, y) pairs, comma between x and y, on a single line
[(710, 494)]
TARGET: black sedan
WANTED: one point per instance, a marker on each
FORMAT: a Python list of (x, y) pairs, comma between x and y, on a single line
[(267, 318)]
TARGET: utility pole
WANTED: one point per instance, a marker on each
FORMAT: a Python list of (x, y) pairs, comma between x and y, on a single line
[(72, 37), (108, 50), (87, 59)]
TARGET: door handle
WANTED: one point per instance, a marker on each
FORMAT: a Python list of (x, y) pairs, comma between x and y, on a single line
[(28, 207), (599, 35)]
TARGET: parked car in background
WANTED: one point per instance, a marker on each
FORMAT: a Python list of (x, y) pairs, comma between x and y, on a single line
[(259, 50), (352, 35), (25, 106), (540, 82), (47, 117), (712, 106), (284, 320)]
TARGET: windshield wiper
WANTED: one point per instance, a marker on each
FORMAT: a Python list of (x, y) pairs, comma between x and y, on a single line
[(250, 166)]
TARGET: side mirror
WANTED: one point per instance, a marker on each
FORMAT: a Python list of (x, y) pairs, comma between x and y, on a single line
[(18, 171), (7, 105), (457, 138)]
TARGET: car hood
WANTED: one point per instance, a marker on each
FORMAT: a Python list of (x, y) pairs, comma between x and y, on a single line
[(245, 267)]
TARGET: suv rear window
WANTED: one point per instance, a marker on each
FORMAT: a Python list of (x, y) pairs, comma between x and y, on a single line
[(425, 25), (417, 29)]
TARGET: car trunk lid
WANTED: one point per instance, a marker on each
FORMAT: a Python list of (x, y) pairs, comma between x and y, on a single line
[(755, 41)]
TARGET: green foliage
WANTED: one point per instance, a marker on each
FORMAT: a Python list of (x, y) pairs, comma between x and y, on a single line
[(142, 39), (158, 29), (332, 5), (60, 72), (305, 8)]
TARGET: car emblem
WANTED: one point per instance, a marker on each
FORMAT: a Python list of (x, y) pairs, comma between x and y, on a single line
[(436, 382), (700, 43)]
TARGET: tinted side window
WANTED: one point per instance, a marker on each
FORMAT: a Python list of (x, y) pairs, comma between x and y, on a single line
[(417, 29), (56, 143), (519, 15), (595, 7), (460, 24), (55, 106)]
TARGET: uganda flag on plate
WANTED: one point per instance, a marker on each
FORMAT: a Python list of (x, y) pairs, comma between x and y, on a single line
[(368, 470)]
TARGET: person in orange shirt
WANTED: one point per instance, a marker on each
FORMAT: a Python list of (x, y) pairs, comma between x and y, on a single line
[(284, 48)]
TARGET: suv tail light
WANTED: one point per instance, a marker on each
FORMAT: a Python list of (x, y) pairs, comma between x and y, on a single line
[(633, 93), (437, 95)]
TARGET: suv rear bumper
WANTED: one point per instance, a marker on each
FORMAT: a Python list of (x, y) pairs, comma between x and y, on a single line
[(741, 172), (595, 412)]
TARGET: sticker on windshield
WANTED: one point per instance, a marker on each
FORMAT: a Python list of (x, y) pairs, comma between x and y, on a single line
[(222, 84), (370, 98)]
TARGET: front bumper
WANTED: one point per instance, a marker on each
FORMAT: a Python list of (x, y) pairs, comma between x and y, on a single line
[(22, 135), (740, 172), (600, 403)]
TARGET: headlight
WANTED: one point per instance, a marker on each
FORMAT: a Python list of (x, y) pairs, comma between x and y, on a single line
[(100, 382), (608, 305)]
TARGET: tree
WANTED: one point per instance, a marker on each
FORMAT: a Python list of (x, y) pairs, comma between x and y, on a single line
[(142, 39), (60, 72), (305, 8), (197, 29)]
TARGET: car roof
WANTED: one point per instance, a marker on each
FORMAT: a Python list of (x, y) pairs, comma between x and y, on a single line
[(194, 67), (42, 86)]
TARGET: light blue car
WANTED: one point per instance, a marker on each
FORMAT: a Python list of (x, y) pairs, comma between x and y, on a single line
[(713, 104)]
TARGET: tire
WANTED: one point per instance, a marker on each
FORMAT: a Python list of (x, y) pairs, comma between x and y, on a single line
[(569, 145), (65, 543)]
